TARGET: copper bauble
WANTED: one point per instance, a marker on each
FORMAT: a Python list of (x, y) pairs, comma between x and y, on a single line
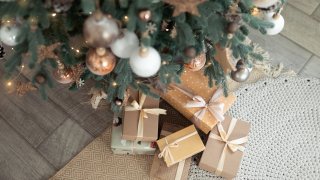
[(145, 15), (100, 61), (232, 27), (100, 30), (40, 78), (118, 102), (197, 63), (63, 76)]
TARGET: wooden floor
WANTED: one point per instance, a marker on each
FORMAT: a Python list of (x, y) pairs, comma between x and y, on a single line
[(39, 137)]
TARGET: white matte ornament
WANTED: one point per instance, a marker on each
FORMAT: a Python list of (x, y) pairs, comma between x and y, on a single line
[(278, 22), (125, 45), (9, 34), (264, 3), (145, 62)]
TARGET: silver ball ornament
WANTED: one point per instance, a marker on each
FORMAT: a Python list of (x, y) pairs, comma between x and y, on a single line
[(242, 73), (9, 34)]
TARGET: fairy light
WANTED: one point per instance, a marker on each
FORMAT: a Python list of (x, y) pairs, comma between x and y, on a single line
[(77, 50), (54, 14), (125, 18), (114, 84), (167, 75), (9, 83), (255, 12), (164, 62)]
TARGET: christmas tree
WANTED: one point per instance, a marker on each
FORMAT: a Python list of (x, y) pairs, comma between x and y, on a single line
[(143, 44)]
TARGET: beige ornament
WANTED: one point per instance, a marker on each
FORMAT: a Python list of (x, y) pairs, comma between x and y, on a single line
[(47, 52), (96, 96)]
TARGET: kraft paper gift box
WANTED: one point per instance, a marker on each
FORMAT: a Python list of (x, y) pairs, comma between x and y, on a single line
[(141, 117), (180, 145), (159, 169), (194, 99), (121, 146), (224, 148)]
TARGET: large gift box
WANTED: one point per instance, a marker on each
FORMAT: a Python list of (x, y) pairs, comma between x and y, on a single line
[(193, 98), (224, 148), (121, 146), (159, 169), (141, 118), (180, 145)]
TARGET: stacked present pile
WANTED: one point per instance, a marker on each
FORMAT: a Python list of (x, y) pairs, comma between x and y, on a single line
[(173, 147)]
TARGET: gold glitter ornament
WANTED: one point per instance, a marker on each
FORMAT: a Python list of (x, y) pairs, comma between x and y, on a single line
[(23, 88)]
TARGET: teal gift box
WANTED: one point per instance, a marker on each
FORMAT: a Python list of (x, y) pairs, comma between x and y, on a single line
[(121, 146)]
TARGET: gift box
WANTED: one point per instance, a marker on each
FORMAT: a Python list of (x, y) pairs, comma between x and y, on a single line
[(159, 169), (180, 145), (121, 146), (224, 148), (203, 105), (141, 118)]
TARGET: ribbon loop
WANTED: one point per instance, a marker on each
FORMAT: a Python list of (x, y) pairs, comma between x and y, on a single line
[(138, 106), (214, 106), (233, 145)]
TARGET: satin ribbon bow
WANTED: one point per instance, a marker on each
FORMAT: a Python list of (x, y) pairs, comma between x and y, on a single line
[(234, 145), (166, 152), (214, 106), (135, 106)]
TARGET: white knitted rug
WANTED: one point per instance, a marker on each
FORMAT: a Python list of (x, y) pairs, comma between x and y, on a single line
[(284, 142)]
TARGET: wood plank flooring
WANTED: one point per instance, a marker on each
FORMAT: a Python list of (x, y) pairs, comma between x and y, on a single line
[(39, 137)]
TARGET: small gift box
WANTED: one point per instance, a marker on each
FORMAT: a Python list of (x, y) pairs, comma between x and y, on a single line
[(203, 105), (141, 118), (224, 149), (180, 145), (159, 169), (121, 146)]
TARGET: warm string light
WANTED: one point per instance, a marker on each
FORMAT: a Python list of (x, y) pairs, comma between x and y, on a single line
[(76, 50), (10, 82), (255, 12), (54, 14), (114, 84)]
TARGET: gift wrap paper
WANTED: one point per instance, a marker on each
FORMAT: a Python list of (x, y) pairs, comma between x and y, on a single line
[(184, 148), (159, 169), (131, 120), (197, 83), (121, 146), (214, 148)]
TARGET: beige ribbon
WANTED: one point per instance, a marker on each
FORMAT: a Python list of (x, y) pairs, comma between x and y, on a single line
[(234, 145), (135, 106), (166, 152), (215, 106), (180, 170)]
